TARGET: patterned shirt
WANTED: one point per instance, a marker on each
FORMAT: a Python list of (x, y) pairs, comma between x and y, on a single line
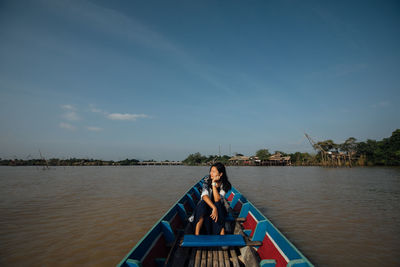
[(207, 190)]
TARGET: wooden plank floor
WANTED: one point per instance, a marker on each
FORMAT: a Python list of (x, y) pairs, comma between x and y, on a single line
[(213, 257), (217, 257)]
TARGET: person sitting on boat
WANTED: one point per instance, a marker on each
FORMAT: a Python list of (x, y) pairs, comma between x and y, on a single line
[(210, 212)]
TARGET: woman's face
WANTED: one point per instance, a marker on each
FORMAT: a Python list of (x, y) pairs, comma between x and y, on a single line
[(215, 175)]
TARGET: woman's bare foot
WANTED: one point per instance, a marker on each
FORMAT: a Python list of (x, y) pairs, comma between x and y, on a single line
[(222, 231)]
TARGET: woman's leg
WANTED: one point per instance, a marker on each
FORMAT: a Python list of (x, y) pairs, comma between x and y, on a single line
[(199, 216), (198, 226), (218, 227)]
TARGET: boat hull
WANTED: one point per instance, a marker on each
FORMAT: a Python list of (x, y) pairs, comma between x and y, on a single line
[(161, 241)]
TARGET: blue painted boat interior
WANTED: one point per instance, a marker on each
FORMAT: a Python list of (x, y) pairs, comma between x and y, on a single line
[(162, 227)]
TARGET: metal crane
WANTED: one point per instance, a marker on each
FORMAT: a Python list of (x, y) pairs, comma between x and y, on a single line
[(318, 148)]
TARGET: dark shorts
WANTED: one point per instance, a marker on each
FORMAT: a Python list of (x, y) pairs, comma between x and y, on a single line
[(209, 227)]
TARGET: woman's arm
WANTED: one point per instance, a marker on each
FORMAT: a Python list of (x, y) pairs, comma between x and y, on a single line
[(207, 199), (214, 213), (216, 195)]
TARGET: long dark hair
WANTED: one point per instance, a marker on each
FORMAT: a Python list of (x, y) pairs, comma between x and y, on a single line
[(226, 185)]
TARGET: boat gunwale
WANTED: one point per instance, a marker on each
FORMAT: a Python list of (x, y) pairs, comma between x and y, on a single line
[(235, 191), (276, 228), (155, 224)]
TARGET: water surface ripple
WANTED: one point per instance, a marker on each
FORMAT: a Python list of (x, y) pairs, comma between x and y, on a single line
[(94, 215)]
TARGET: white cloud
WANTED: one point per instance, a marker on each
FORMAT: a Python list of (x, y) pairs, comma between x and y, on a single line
[(126, 116), (96, 110), (71, 116), (68, 107), (94, 129), (70, 113), (118, 116), (67, 126)]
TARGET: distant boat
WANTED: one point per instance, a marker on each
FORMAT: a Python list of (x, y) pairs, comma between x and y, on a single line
[(250, 240)]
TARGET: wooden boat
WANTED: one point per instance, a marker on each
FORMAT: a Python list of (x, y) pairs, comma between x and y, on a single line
[(250, 239)]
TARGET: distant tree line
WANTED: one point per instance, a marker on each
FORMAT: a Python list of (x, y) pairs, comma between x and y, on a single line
[(67, 162), (385, 152), (198, 159), (262, 154), (368, 153), (371, 152)]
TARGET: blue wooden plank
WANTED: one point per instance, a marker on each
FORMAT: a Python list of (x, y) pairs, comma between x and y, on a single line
[(197, 192), (167, 230), (142, 247), (212, 240), (235, 200), (133, 263), (298, 263), (295, 257), (191, 201), (245, 210), (181, 211), (282, 242), (268, 263), (259, 232), (228, 194), (247, 232), (249, 207)]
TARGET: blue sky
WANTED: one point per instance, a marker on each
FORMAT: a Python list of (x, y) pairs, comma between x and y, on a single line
[(163, 79)]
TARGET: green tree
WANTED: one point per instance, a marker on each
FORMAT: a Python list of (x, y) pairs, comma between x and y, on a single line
[(299, 158), (194, 159), (350, 145), (369, 149), (391, 149), (328, 145), (263, 154), (128, 162)]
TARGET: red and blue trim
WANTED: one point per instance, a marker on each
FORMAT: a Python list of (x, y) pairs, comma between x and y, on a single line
[(275, 250)]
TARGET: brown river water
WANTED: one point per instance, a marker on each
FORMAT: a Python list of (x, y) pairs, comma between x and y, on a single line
[(93, 216)]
